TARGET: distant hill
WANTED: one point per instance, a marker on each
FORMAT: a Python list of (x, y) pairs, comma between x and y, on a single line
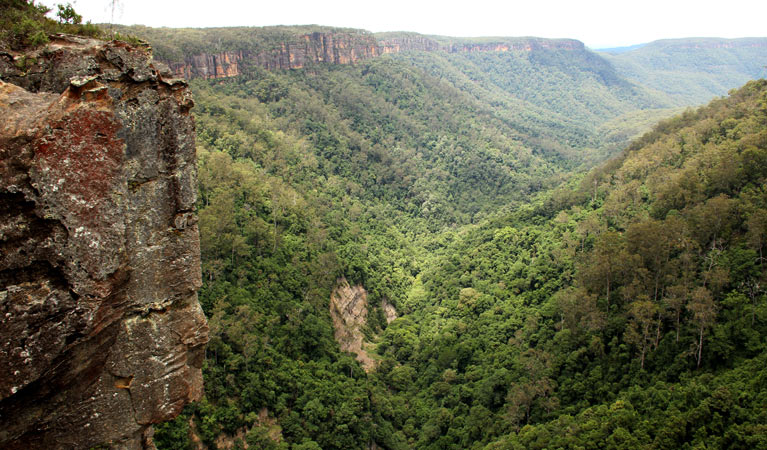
[(692, 71)]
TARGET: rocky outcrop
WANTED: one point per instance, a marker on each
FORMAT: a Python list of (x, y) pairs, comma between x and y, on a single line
[(349, 311), (295, 53), (221, 65), (333, 47), (101, 334), (390, 312)]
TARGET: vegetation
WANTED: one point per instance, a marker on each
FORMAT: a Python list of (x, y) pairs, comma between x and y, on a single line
[(174, 44), (541, 305), (693, 70), (24, 24), (624, 308)]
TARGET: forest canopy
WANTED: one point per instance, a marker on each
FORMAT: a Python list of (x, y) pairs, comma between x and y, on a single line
[(621, 307)]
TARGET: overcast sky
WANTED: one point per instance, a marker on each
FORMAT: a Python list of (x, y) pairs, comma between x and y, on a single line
[(598, 23)]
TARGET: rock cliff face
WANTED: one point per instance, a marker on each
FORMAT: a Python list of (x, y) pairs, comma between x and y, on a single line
[(221, 65), (349, 311), (313, 48), (101, 334), (389, 311), (342, 48)]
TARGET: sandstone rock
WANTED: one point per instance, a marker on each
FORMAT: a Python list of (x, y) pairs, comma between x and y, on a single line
[(342, 48), (296, 53), (389, 311), (349, 311), (101, 334)]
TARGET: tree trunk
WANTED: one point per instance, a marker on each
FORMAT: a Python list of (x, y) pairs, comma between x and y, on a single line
[(700, 345), (657, 330), (608, 292)]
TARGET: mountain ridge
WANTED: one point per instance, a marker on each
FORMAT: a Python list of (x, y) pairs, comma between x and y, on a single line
[(296, 47)]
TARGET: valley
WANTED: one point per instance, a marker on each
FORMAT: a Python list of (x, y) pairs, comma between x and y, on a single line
[(412, 241), (451, 180)]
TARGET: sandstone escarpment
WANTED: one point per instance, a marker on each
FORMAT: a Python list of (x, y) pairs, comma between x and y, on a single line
[(295, 53), (101, 334), (220, 65)]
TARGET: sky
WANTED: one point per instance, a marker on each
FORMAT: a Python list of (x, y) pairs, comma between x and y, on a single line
[(597, 23)]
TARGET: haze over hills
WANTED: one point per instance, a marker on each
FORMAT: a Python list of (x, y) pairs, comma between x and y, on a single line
[(692, 71), (616, 50)]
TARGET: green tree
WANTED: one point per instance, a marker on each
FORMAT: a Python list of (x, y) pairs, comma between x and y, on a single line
[(66, 14), (703, 310)]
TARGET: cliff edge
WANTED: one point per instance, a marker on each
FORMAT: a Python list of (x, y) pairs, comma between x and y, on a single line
[(101, 333)]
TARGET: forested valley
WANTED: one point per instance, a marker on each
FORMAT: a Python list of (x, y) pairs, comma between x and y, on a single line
[(469, 243), (565, 274)]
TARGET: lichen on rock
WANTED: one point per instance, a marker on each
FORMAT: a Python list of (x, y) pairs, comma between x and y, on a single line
[(101, 334)]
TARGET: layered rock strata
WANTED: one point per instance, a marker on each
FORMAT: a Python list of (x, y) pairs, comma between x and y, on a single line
[(101, 333), (342, 48), (297, 53)]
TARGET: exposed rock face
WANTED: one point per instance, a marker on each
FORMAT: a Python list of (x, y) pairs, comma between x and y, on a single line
[(349, 311), (318, 47), (221, 65), (389, 311), (101, 334), (342, 48)]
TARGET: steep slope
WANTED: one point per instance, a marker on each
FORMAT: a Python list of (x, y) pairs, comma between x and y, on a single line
[(102, 334), (226, 52), (421, 177), (694, 70), (555, 93), (595, 300), (567, 98), (564, 323)]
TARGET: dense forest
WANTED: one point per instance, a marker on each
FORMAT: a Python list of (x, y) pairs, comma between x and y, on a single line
[(565, 274), (692, 70), (540, 304)]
